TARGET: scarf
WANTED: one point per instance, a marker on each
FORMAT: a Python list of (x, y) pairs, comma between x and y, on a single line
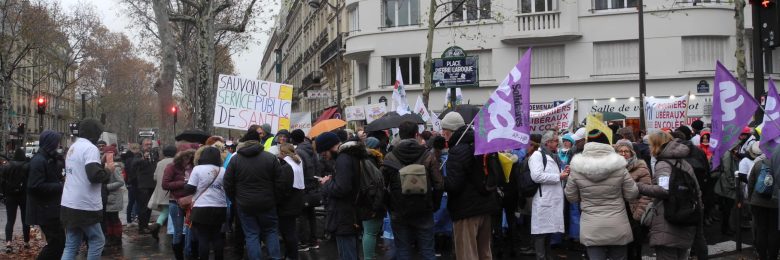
[(297, 173)]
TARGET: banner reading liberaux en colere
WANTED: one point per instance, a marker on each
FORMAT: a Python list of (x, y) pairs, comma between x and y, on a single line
[(504, 122), (732, 110)]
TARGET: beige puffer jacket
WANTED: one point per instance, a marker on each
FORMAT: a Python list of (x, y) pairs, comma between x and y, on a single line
[(601, 183), (641, 174)]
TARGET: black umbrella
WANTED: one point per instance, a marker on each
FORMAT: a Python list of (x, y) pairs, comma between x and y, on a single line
[(392, 120), (193, 136), (468, 112)]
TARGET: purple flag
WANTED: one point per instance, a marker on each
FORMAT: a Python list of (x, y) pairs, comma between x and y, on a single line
[(732, 110), (771, 130), (504, 122)]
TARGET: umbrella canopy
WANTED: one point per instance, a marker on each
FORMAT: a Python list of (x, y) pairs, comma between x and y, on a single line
[(393, 120), (609, 116), (468, 112), (325, 126), (193, 136)]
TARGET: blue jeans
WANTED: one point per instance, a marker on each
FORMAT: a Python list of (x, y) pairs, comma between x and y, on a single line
[(177, 218), (74, 237), (132, 206), (421, 231), (347, 246), (263, 224)]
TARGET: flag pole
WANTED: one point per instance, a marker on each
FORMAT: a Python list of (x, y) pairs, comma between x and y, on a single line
[(774, 120)]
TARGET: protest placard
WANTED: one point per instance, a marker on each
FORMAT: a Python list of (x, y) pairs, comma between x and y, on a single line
[(242, 102), (665, 112), (301, 121), (355, 113), (375, 111), (559, 117)]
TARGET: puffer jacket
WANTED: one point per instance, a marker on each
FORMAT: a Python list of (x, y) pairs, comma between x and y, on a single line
[(174, 178), (600, 182), (116, 192), (341, 190), (661, 232), (641, 174), (252, 179), (464, 174)]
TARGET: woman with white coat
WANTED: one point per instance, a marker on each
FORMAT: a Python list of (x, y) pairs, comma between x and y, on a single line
[(547, 210)]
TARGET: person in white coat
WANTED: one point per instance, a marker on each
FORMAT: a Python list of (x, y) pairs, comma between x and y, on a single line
[(547, 210)]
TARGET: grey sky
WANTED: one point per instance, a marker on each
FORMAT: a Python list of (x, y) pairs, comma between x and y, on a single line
[(247, 62)]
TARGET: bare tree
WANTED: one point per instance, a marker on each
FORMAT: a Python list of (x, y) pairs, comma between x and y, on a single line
[(164, 84), (739, 16)]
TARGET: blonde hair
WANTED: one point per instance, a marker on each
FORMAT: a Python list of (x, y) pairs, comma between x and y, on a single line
[(288, 149), (657, 140)]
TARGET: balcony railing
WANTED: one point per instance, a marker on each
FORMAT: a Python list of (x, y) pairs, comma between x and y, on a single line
[(530, 22)]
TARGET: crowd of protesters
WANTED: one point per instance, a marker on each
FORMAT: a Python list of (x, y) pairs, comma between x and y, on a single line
[(423, 193)]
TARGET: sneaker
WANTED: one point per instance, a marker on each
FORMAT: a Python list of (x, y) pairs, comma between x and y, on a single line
[(154, 230), (303, 248), (315, 245)]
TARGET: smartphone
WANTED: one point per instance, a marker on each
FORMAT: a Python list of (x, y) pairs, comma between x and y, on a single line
[(317, 177), (109, 158)]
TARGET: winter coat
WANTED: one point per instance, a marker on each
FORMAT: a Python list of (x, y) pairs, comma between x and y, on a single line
[(116, 191), (601, 184), (252, 179), (341, 190), (160, 197), (464, 179), (175, 175), (640, 174), (144, 171), (44, 189), (310, 163), (661, 232), (757, 200), (290, 199), (409, 208), (725, 186), (547, 205)]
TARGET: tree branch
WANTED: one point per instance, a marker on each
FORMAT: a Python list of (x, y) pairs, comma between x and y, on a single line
[(181, 18), (192, 4), (223, 6), (240, 27), (459, 5)]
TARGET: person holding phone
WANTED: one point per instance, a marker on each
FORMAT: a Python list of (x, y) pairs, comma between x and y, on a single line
[(116, 199)]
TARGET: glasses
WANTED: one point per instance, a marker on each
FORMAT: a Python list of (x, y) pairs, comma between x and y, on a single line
[(624, 152)]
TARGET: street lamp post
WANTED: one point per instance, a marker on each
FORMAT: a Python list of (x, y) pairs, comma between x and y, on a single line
[(316, 5), (642, 80)]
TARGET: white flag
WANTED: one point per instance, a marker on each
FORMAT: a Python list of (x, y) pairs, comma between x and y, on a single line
[(419, 108), (399, 93), (435, 122)]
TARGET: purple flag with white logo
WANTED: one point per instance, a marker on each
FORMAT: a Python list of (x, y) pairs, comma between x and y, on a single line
[(770, 133), (732, 110), (504, 122)]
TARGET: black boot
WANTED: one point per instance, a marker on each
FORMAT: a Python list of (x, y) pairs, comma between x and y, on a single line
[(178, 251)]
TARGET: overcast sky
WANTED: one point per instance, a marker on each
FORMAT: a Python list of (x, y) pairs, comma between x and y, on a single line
[(247, 62)]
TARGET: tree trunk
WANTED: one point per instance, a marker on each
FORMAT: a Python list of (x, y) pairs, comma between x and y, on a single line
[(739, 16), (428, 49), (164, 84), (205, 87)]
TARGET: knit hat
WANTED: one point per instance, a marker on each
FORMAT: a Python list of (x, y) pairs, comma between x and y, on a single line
[(579, 134), (686, 131), (325, 141), (250, 136), (169, 151), (297, 136), (567, 137), (697, 125), (597, 136), (372, 142), (267, 129), (452, 121), (90, 129), (746, 130)]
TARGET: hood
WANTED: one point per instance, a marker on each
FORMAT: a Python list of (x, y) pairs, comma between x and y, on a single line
[(637, 164), (49, 141), (90, 129), (354, 149), (250, 148), (466, 132), (674, 150), (306, 147), (408, 151), (598, 161), (183, 155)]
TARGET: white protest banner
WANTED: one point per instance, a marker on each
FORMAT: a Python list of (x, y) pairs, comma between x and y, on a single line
[(435, 122), (419, 108), (665, 112), (242, 102), (559, 117), (355, 113), (301, 121), (375, 111)]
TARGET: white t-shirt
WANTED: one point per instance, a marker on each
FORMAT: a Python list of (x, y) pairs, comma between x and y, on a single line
[(79, 192), (214, 196), (745, 166)]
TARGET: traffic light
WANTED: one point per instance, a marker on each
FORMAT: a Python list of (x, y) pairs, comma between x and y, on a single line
[(769, 23), (175, 112), (41, 106)]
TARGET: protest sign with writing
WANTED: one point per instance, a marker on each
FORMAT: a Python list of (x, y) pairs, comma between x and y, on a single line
[(355, 113), (243, 102), (665, 112), (375, 111), (301, 121), (559, 117)]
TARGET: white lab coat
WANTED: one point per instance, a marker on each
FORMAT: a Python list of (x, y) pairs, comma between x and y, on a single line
[(547, 210)]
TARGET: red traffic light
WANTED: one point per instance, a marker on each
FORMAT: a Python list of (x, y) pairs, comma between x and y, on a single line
[(766, 3), (41, 100), (173, 109)]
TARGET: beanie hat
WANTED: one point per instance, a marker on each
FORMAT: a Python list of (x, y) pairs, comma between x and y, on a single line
[(697, 125), (567, 137), (325, 141), (686, 131), (372, 142), (169, 151), (283, 132), (297, 136), (452, 121), (597, 136), (267, 129), (746, 130), (90, 129), (250, 136), (579, 134)]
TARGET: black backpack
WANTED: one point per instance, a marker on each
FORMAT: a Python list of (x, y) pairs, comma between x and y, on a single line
[(682, 208), (371, 190), (491, 172), (528, 186), (408, 205)]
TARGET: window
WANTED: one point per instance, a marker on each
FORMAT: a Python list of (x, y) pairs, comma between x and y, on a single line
[(362, 76), (401, 12), (485, 64), (619, 57), (354, 26), (536, 6), (701, 52), (410, 69), (471, 9), (548, 62), (613, 4)]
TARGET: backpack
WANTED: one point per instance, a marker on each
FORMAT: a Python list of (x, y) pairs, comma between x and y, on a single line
[(491, 171), (371, 190), (764, 186), (682, 208), (414, 177), (528, 186), (414, 198)]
